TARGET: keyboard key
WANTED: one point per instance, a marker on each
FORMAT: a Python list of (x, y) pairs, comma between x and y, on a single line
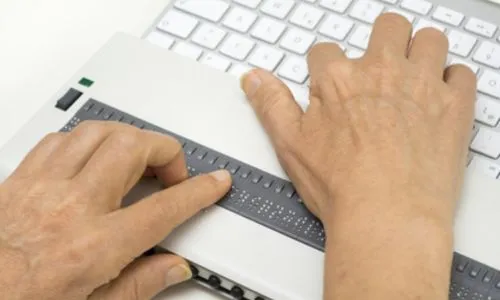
[(487, 142), (336, 27), (249, 3), (407, 15), (277, 8), (160, 39), (212, 10), (448, 16), (481, 27), (488, 54), (294, 69), (266, 57), (457, 61), (239, 70), (188, 50), (423, 23), (354, 54), (361, 37), (339, 6), (485, 166), (390, 1), (240, 19), (216, 61), (297, 41), (268, 30), (366, 10), (178, 24), (209, 36), (487, 111), (417, 6), (461, 43), (306, 16), (489, 83), (237, 47)]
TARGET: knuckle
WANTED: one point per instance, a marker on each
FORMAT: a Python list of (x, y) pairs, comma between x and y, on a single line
[(53, 137), (394, 20), (90, 126), (125, 139), (343, 68)]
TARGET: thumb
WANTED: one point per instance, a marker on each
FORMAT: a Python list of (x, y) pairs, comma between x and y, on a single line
[(145, 278), (273, 103)]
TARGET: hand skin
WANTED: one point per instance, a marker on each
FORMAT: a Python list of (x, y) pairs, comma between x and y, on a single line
[(63, 234), (379, 157)]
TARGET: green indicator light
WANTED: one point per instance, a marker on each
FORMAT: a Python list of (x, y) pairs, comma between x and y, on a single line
[(86, 82)]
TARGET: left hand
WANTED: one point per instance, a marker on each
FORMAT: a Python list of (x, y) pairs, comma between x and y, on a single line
[(62, 232)]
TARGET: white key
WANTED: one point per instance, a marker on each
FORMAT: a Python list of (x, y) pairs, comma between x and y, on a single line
[(407, 15), (188, 50), (448, 16), (473, 67), (216, 61), (178, 24), (423, 23), (417, 6), (366, 10), (461, 43), (268, 30), (208, 36), (160, 39), (361, 37), (212, 10), (306, 16), (354, 54), (294, 69), (336, 27), (488, 54), (239, 70), (390, 1), (487, 111), (485, 166), (487, 142), (278, 8), (300, 94), (489, 83), (297, 41), (240, 19), (249, 3), (481, 27), (339, 6), (266, 57), (237, 47)]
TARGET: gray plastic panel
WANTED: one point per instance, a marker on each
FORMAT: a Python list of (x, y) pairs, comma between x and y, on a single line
[(273, 202)]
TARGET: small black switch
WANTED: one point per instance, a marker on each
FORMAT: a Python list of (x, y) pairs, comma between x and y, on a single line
[(474, 272), (488, 277), (214, 281), (194, 271), (68, 99), (237, 292)]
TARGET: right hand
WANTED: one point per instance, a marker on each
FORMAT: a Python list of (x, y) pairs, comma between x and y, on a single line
[(384, 135)]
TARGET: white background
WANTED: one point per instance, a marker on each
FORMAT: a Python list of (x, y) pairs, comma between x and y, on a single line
[(44, 42)]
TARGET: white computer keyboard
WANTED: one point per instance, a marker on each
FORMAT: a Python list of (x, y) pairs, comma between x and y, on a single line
[(235, 36)]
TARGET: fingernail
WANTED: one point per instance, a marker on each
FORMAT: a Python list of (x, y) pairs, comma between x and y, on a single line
[(221, 175), (250, 82), (178, 274)]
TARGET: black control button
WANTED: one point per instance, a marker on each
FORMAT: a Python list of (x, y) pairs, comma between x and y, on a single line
[(237, 292), (245, 174), (462, 266), (474, 272), (202, 155), (233, 169), (88, 106), (107, 115), (97, 111), (214, 281), (259, 298), (290, 194), (190, 150), (268, 183), (279, 188), (222, 164), (68, 99), (488, 277), (194, 271), (498, 285), (212, 159), (256, 179)]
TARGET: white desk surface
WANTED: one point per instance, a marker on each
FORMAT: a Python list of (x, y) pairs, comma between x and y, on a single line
[(43, 43)]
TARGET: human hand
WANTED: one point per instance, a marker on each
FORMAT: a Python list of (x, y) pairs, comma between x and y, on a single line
[(393, 123), (379, 156), (62, 232)]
